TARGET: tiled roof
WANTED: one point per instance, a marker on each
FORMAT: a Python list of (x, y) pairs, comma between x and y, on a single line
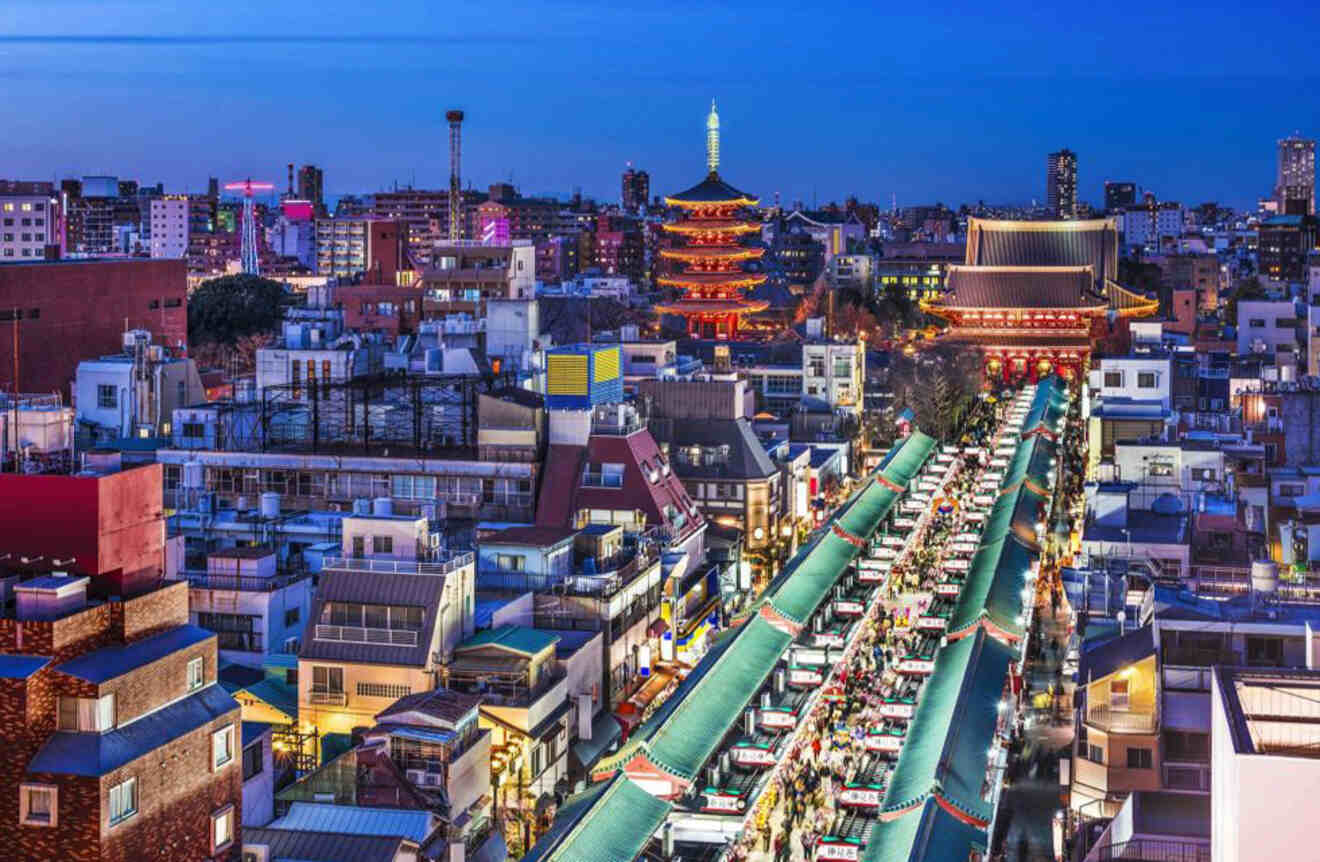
[(382, 588), (1021, 287), (254, 730), (948, 740), (109, 662), (993, 588), (302, 846), (1091, 243), (357, 820), (539, 536), (610, 822), (559, 481), (928, 834), (747, 457), (1102, 660), (95, 754), (21, 666), (712, 189), (519, 639), (442, 703)]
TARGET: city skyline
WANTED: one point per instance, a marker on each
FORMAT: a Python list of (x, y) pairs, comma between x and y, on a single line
[(566, 100)]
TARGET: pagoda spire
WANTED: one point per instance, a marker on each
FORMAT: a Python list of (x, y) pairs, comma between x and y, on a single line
[(713, 139)]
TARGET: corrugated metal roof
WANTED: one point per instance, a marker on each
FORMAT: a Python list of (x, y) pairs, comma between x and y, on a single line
[(254, 730), (356, 820), (519, 639), (443, 703), (109, 662), (301, 846), (95, 754), (21, 666), (377, 588)]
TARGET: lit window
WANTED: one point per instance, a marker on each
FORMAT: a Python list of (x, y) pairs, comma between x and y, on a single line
[(37, 804), (195, 674), (222, 746), (222, 828), (123, 801)]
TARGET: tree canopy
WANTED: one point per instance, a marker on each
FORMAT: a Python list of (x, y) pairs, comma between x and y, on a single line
[(227, 309)]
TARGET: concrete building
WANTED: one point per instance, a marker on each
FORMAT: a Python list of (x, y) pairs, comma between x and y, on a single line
[(315, 353), (833, 374), (170, 216), (636, 190), (31, 222), (1284, 246), (1294, 184), (1119, 195), (1265, 728), (1061, 184), (133, 394), (84, 303), (376, 248), (258, 774), (464, 275), (1269, 327)]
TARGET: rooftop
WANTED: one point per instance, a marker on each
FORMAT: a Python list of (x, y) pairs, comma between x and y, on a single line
[(445, 704), (1275, 713), (307, 846), (1142, 527), (109, 662), (519, 639), (356, 820)]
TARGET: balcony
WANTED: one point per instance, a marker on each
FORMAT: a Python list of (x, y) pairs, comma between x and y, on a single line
[(241, 583), (604, 584), (398, 567), (1111, 720), (515, 695), (1151, 850), (328, 698), (1187, 776), (362, 635)]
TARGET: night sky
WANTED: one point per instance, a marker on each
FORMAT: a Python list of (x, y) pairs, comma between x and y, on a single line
[(952, 102)]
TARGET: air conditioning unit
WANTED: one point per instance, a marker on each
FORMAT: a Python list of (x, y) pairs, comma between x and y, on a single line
[(256, 853), (416, 776), (433, 779)]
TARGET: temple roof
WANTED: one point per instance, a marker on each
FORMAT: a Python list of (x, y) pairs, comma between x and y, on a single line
[(736, 278), (1021, 287), (712, 190), (713, 306), (1091, 243)]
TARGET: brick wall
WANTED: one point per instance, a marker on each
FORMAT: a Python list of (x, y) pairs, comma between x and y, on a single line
[(145, 688), (155, 612)]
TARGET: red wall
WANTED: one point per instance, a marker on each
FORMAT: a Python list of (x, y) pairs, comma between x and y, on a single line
[(81, 311)]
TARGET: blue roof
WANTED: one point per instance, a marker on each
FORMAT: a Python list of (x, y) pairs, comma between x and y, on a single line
[(1142, 527), (112, 661), (422, 734), (254, 730), (354, 820), (95, 754), (21, 666), (50, 582)]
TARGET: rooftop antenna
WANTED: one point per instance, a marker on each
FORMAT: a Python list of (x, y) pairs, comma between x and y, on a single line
[(455, 118)]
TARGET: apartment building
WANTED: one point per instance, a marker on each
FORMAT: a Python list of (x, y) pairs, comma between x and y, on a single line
[(463, 275), (31, 224), (171, 217), (1270, 327), (133, 394), (376, 248), (386, 615), (833, 374)]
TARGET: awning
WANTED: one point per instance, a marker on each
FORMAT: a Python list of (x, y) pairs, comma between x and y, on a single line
[(605, 731)]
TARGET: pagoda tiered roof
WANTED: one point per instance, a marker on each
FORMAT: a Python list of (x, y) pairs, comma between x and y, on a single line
[(716, 226), (732, 280), (711, 191)]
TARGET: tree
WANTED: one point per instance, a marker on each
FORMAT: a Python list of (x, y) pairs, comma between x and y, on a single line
[(224, 310), (940, 384)]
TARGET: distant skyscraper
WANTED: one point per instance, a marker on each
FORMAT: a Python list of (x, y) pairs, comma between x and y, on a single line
[(310, 187), (1294, 186), (636, 189), (1061, 184), (1119, 195)]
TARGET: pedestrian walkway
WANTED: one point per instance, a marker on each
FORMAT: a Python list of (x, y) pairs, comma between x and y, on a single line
[(1030, 802)]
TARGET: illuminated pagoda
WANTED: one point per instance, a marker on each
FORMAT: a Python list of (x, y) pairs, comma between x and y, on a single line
[(708, 262), (1038, 297)]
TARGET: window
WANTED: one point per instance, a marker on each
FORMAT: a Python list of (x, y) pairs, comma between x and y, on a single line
[(1095, 753), (510, 562), (222, 828), (359, 546), (123, 801), (1256, 323), (1264, 652), (222, 746), (292, 616), (1203, 474), (1139, 758), (1160, 467), (37, 804), (382, 544), (253, 756), (1118, 694), (328, 680), (1286, 490), (195, 676), (381, 689), (1113, 379), (107, 397), (194, 429), (1147, 380)]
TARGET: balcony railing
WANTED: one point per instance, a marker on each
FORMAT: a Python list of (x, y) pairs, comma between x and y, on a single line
[(362, 635), (501, 694), (1186, 776), (1121, 720), (1152, 850), (398, 567), (242, 583), (329, 698), (603, 584)]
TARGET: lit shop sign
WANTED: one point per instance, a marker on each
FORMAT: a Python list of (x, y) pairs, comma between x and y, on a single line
[(861, 797), (718, 802), (871, 576), (916, 665), (948, 588), (848, 608), (886, 742), (748, 755), (779, 718), (896, 710), (805, 677), (827, 639), (830, 847), (933, 623)]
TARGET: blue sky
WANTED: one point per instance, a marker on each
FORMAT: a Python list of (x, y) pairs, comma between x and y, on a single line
[(953, 102)]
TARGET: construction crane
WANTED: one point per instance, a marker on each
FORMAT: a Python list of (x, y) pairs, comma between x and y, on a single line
[(248, 251)]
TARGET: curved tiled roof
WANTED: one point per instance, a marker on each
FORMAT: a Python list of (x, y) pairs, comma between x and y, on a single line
[(1092, 243), (610, 822), (1064, 287), (712, 190)]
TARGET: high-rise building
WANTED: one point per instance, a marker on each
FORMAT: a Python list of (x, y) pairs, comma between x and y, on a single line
[(1294, 185), (1119, 195), (374, 248), (636, 189), (169, 226), (1061, 184), (30, 221), (311, 187)]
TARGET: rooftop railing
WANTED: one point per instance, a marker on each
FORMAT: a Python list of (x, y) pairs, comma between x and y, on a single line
[(364, 635), (398, 567), (1121, 720)]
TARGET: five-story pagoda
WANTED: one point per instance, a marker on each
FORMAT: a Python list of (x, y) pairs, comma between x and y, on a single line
[(708, 263)]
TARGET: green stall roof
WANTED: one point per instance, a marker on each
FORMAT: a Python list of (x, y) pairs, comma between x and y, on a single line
[(994, 586), (948, 740), (929, 834), (612, 821), (799, 596)]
